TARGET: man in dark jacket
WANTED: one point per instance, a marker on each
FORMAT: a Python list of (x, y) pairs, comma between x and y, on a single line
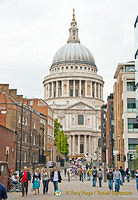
[(122, 174), (55, 178), (110, 179), (25, 176), (94, 174)]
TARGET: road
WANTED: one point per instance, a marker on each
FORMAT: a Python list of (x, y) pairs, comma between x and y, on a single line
[(76, 190)]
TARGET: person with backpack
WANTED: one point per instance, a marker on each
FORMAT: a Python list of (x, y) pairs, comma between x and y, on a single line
[(88, 174), (100, 176), (110, 179), (94, 174)]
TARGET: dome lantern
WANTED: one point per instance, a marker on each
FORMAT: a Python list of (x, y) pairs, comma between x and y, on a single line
[(73, 31)]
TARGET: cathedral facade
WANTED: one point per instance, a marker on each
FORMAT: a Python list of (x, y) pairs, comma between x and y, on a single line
[(75, 91)]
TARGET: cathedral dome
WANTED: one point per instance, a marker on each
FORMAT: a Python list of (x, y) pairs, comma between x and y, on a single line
[(74, 52)]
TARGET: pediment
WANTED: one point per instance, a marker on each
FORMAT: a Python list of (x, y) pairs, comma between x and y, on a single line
[(80, 106)]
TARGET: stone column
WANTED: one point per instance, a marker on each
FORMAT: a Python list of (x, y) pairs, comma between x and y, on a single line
[(85, 143), (67, 88), (48, 90), (73, 145), (90, 145), (52, 89), (85, 88), (91, 88), (56, 88), (99, 90), (62, 85), (70, 145), (78, 144), (73, 88), (80, 88), (95, 92)]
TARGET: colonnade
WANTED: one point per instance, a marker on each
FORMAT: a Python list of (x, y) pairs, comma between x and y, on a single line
[(82, 144), (74, 88)]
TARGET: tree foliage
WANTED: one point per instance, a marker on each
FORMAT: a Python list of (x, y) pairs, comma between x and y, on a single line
[(61, 140)]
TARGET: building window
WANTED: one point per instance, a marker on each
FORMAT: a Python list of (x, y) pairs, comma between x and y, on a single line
[(25, 121), (80, 119), (19, 120), (80, 67), (34, 125), (130, 68), (72, 121), (31, 103), (66, 67), (73, 32), (71, 67), (25, 138), (76, 92), (76, 67), (34, 142), (130, 86), (132, 125), (25, 157), (131, 146), (71, 93), (81, 148), (131, 105)]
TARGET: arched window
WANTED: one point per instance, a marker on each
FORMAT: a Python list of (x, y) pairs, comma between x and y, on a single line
[(80, 119)]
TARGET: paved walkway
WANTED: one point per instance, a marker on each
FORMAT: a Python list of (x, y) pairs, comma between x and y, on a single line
[(76, 190)]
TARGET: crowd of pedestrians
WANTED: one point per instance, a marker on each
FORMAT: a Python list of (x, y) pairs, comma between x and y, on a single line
[(116, 176), (87, 173), (38, 176)]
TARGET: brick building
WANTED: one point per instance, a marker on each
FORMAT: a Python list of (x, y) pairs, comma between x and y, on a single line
[(24, 121), (8, 147), (42, 107)]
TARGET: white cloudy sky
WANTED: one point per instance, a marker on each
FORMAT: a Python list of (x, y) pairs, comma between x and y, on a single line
[(31, 31)]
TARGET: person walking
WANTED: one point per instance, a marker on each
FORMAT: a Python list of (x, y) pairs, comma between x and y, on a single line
[(89, 174), (56, 178), (136, 174), (45, 180), (94, 174), (84, 172), (122, 174), (36, 181), (110, 179), (65, 171), (80, 173), (117, 179), (25, 177), (100, 177), (127, 174), (68, 175)]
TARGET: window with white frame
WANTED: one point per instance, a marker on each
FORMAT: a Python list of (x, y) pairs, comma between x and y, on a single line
[(25, 121), (25, 157), (34, 125), (25, 138), (34, 140), (19, 119)]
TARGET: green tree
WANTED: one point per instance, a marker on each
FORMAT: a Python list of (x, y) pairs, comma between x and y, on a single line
[(61, 140), (136, 152), (57, 128)]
